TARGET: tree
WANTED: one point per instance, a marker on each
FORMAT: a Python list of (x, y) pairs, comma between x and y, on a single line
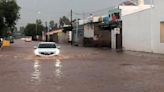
[(33, 29), (56, 25), (52, 24), (30, 30), (64, 21), (9, 14), (22, 28), (39, 22), (2, 26), (39, 27)]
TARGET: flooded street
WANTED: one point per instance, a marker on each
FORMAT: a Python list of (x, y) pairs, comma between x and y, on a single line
[(79, 69)]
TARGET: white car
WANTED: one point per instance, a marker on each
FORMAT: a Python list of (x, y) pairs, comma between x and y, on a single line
[(28, 39), (47, 49)]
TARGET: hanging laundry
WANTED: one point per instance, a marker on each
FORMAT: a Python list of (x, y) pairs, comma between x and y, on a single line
[(113, 17)]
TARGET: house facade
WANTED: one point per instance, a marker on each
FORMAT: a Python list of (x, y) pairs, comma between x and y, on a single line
[(58, 36), (78, 33), (95, 35), (143, 27), (157, 30)]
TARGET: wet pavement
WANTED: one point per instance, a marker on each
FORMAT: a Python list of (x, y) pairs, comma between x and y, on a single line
[(79, 69)]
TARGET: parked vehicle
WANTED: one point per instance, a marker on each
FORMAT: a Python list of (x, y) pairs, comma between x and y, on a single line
[(47, 49), (5, 43), (28, 39), (23, 39), (10, 39), (1, 42)]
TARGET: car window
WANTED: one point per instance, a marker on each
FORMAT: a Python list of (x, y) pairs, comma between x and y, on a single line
[(47, 46)]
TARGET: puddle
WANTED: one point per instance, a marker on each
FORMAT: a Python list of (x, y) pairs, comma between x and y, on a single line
[(126, 64), (4, 56), (142, 68), (58, 73), (32, 57), (35, 76), (15, 57), (58, 68)]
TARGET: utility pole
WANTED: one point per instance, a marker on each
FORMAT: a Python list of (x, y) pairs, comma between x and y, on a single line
[(47, 31), (36, 29), (71, 29), (71, 18), (37, 23)]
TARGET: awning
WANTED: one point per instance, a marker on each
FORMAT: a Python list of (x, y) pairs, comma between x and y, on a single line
[(54, 32)]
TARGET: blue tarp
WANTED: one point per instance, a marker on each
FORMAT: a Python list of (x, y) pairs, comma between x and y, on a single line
[(106, 20)]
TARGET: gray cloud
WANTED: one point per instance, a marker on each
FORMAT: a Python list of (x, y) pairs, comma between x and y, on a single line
[(53, 9)]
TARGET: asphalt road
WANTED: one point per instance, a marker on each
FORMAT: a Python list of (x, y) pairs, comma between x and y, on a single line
[(79, 69)]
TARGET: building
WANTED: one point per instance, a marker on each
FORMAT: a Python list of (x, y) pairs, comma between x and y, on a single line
[(95, 34), (78, 32), (58, 36), (143, 27)]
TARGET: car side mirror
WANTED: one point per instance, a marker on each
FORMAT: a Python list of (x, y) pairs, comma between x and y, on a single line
[(35, 47)]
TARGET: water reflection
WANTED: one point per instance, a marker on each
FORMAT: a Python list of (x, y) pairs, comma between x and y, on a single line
[(58, 73), (36, 74), (58, 66)]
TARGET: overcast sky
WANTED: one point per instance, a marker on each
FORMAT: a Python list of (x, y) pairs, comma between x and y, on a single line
[(47, 10)]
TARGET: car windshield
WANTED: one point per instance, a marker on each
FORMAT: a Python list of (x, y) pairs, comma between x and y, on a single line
[(47, 46)]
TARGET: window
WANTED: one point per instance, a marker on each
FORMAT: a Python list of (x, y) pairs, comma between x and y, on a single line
[(47, 46), (162, 32)]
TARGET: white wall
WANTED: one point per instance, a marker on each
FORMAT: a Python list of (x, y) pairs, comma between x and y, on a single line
[(113, 35), (137, 31), (157, 16), (126, 10), (141, 30), (89, 31)]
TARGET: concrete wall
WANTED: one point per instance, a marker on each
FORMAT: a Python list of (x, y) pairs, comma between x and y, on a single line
[(157, 17), (141, 30), (96, 36), (126, 10), (137, 31), (78, 35), (89, 30), (63, 37), (102, 37)]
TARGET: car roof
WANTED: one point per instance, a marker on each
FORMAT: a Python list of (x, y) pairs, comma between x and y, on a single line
[(47, 43)]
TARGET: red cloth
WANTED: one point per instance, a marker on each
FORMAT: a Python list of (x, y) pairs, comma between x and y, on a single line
[(113, 17)]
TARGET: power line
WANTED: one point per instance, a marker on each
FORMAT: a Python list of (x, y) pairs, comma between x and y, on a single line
[(81, 15), (99, 12)]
